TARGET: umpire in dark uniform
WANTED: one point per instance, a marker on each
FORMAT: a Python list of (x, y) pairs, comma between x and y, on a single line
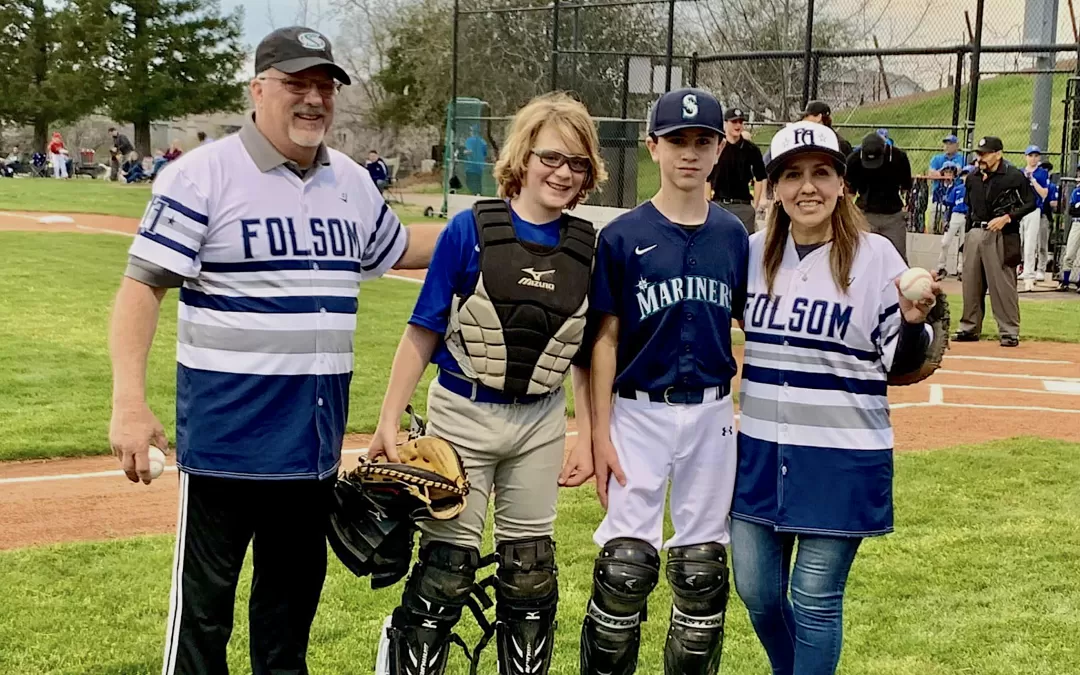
[(880, 173), (998, 196), (739, 164)]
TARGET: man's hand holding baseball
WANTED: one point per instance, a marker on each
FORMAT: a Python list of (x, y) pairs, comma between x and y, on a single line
[(132, 431)]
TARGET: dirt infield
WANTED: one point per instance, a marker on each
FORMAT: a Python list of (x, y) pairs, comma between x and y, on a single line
[(983, 392)]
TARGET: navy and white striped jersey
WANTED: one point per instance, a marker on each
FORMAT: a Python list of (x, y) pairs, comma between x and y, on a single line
[(271, 265), (815, 439)]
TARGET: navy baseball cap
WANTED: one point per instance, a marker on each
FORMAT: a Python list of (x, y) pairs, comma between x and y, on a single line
[(801, 138), (951, 138), (686, 109), (734, 114), (297, 48), (1033, 150)]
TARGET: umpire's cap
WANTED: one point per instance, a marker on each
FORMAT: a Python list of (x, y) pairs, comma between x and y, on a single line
[(297, 48), (817, 108), (686, 109), (800, 138), (872, 152), (989, 144)]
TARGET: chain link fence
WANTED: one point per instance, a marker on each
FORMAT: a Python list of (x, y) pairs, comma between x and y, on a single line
[(918, 73)]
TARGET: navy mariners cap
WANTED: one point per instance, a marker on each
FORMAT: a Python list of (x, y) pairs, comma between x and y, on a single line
[(686, 109), (1033, 150), (800, 138), (297, 48), (872, 152), (951, 138), (989, 144)]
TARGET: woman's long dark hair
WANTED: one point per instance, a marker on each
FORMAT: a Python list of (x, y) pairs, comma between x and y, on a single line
[(848, 223)]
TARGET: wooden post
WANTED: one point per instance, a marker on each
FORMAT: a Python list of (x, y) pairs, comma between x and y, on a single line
[(881, 68)]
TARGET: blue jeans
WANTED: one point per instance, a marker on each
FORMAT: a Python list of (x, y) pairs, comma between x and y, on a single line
[(801, 635)]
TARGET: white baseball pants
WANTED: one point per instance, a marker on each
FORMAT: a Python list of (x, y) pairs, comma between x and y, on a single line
[(1072, 252), (954, 234), (1029, 242), (693, 447)]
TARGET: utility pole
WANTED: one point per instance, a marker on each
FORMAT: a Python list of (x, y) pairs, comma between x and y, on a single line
[(1040, 27)]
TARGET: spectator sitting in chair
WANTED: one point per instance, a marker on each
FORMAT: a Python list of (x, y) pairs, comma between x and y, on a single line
[(14, 162), (132, 168), (380, 173), (163, 158)]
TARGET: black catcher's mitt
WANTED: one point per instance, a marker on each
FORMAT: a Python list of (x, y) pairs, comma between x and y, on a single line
[(938, 319)]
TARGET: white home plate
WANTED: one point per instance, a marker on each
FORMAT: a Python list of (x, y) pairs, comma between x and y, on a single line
[(1062, 387), (55, 219)]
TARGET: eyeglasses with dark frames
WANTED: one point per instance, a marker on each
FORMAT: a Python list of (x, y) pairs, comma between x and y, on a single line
[(554, 159)]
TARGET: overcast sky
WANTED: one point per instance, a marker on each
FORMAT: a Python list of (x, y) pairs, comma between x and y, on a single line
[(897, 22)]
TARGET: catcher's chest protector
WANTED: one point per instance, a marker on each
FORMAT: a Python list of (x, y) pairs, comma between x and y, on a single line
[(525, 319)]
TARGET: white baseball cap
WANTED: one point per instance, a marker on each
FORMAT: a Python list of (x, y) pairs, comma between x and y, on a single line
[(800, 138)]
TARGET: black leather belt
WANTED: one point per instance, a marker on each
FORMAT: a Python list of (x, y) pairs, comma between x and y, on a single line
[(674, 396)]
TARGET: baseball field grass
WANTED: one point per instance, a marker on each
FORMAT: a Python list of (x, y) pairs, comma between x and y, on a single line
[(83, 195), (54, 363), (979, 577)]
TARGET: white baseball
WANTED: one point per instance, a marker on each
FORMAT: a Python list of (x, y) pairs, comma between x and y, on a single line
[(915, 283), (157, 462)]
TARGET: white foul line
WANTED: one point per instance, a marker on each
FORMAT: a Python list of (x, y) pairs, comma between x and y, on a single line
[(1002, 359), (117, 472), (1033, 408), (1013, 389), (976, 373)]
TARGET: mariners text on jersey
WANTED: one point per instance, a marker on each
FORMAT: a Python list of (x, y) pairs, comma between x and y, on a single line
[(815, 436), (675, 290), (270, 259)]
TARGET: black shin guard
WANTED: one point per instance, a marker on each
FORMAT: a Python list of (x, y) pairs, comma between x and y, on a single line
[(420, 631), (526, 594), (699, 586), (624, 574)]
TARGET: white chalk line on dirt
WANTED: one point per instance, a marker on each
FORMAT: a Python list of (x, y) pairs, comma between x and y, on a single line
[(937, 394), (1018, 390), (116, 472), (1003, 359), (976, 373)]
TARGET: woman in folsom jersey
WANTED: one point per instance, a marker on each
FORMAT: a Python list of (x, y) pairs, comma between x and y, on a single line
[(523, 265), (825, 324)]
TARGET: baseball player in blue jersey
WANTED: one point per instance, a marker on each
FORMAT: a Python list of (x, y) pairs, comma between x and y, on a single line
[(825, 325), (268, 234), (1030, 226), (670, 277), (1070, 265), (502, 316), (954, 203)]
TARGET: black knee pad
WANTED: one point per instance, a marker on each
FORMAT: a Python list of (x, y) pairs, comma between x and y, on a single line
[(420, 630), (444, 574), (526, 595), (698, 576), (624, 574), (526, 574)]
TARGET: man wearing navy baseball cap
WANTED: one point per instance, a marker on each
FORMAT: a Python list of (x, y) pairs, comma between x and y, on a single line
[(669, 274)]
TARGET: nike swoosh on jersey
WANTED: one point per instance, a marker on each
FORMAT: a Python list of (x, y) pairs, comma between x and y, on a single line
[(643, 251)]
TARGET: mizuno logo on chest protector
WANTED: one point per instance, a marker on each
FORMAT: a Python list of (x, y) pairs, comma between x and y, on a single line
[(537, 279)]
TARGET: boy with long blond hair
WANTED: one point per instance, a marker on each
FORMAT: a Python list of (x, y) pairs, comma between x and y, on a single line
[(501, 314)]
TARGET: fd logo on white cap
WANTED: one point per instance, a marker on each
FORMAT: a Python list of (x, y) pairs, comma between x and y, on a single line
[(689, 107), (311, 40)]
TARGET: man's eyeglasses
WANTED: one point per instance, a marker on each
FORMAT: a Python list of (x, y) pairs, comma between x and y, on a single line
[(555, 159), (326, 88)]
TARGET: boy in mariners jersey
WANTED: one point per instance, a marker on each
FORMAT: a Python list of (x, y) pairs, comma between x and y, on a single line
[(670, 276)]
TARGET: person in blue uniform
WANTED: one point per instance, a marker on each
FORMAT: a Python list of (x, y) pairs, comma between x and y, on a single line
[(954, 203), (825, 324), (670, 276)]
